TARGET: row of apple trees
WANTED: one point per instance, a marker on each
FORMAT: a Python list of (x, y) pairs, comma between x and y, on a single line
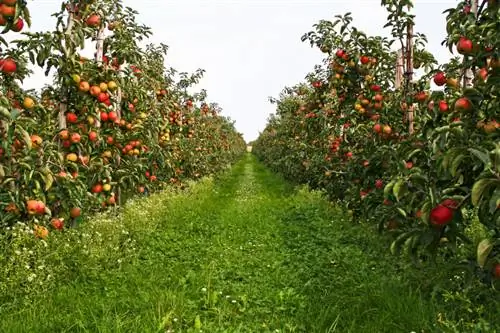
[(423, 164), (109, 127)]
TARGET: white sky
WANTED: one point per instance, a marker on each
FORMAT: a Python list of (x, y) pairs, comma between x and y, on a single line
[(250, 49)]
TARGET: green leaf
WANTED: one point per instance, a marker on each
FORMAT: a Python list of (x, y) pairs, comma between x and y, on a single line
[(456, 163), (26, 137), (483, 250), (388, 188), (398, 242), (401, 211), (479, 187), (481, 155), (413, 153), (27, 16), (48, 179), (399, 189)]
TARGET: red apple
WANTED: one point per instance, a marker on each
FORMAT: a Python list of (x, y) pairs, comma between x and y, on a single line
[(464, 46), (440, 79)]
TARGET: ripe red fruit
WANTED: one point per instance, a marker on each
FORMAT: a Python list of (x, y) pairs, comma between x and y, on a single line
[(110, 140), (40, 208), (421, 96), (97, 188), (409, 165), (112, 116), (7, 11), (375, 87), (463, 104), (75, 212), (496, 271), (57, 223), (71, 117), (316, 84), (93, 136), (93, 20), (8, 65), (35, 207), (75, 137), (104, 116), (348, 154), (441, 216), (111, 200), (450, 203), (377, 128), (464, 46), (10, 2), (440, 79), (364, 60), (102, 97), (379, 183), (443, 106), (482, 74), (340, 53), (18, 25)]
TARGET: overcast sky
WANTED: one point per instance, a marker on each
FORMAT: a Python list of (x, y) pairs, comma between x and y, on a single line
[(250, 49)]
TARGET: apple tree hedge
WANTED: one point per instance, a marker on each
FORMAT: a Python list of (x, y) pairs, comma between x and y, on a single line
[(109, 127), (422, 164)]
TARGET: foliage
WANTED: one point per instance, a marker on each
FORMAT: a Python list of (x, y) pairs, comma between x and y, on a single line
[(421, 164), (108, 128)]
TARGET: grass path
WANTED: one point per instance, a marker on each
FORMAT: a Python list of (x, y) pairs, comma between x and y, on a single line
[(247, 253)]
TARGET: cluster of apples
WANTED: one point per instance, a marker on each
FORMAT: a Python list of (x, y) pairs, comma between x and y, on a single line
[(7, 13)]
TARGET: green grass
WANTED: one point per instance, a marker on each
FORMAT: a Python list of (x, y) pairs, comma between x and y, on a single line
[(247, 253)]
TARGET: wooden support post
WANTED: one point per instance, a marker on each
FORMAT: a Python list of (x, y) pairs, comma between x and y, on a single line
[(469, 72), (63, 104), (398, 81), (409, 73)]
